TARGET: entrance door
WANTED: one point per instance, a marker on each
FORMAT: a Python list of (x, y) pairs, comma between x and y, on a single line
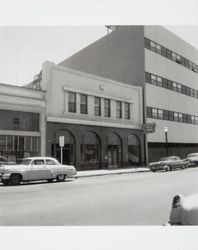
[(66, 155), (113, 156)]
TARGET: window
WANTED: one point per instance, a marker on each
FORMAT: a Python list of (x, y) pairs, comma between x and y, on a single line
[(118, 109), (159, 81), (180, 117), (127, 110), (37, 162), (164, 83), (97, 106), (170, 84), (179, 88), (152, 46), (175, 88), (153, 79), (147, 43), (160, 114), (158, 49), (149, 112), (83, 104), (178, 59), (107, 109), (164, 51), (90, 149), (174, 56), (50, 162), (169, 54), (154, 113), (176, 117), (72, 102), (148, 77)]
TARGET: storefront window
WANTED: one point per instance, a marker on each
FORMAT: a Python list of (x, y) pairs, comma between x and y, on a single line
[(114, 150), (90, 149)]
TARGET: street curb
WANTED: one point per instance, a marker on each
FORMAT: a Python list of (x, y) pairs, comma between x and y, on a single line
[(103, 174)]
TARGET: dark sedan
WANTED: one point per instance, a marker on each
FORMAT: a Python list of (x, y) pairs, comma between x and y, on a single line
[(168, 164)]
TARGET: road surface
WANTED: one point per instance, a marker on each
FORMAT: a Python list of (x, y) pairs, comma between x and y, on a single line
[(124, 199)]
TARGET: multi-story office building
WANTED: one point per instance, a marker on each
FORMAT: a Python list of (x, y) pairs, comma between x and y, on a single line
[(22, 122), (100, 119), (165, 66)]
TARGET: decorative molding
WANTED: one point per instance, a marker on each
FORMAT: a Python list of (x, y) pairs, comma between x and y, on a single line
[(93, 123), (20, 133)]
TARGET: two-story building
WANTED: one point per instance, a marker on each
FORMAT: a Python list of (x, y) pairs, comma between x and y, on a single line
[(100, 119)]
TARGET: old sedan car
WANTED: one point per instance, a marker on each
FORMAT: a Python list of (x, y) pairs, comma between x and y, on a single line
[(168, 164), (193, 159), (184, 210), (34, 169)]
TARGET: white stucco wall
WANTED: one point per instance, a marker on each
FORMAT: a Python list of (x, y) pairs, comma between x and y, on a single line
[(166, 99), (57, 81)]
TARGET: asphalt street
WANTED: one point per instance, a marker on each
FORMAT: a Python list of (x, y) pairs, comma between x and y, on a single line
[(123, 199)]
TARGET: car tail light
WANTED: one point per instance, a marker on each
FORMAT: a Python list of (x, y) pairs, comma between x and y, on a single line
[(177, 200)]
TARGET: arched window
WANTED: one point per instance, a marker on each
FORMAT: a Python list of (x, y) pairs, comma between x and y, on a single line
[(114, 150), (68, 148), (133, 150), (90, 149)]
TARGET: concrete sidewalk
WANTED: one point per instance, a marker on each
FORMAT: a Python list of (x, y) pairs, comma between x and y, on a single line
[(101, 172)]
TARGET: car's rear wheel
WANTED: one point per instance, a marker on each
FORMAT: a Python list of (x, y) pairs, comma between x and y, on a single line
[(61, 177), (15, 179), (5, 182), (183, 167)]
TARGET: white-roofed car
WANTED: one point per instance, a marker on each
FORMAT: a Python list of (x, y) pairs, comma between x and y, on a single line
[(34, 169), (184, 210), (193, 159), (168, 163)]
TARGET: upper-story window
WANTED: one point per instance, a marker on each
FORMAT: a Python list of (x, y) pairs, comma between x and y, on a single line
[(127, 110), (72, 102), (97, 106), (83, 104), (118, 109), (107, 108), (159, 49)]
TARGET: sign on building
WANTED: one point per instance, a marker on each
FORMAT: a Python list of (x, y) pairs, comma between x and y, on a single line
[(149, 127)]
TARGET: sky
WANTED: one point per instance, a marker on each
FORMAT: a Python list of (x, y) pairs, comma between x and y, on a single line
[(23, 49)]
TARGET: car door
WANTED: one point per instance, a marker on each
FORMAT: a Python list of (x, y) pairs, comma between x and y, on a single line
[(177, 162), (52, 168), (38, 170)]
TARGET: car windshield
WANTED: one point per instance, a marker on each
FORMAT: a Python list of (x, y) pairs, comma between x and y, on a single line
[(25, 162)]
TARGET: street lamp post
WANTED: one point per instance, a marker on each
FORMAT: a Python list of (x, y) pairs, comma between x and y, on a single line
[(166, 137)]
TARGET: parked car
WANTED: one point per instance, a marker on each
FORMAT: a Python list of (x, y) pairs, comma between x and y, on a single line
[(184, 210), (36, 168), (168, 164), (193, 159)]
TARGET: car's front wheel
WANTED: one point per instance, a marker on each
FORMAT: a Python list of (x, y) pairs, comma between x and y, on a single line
[(15, 179), (61, 177), (168, 168)]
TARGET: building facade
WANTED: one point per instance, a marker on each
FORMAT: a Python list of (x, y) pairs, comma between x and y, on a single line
[(171, 73), (166, 67), (22, 122), (100, 119)]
